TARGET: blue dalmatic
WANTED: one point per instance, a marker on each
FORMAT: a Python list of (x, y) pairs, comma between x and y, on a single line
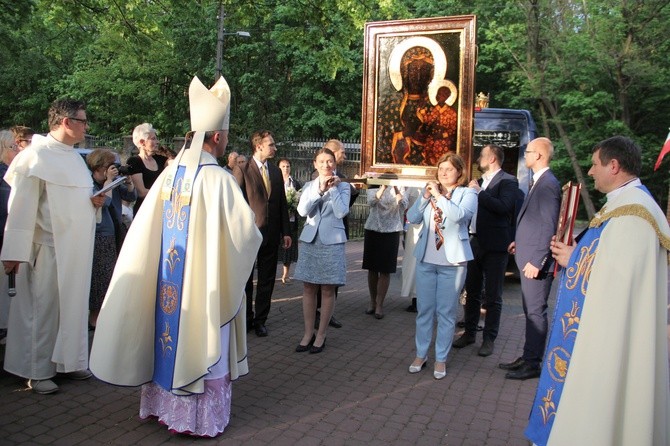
[(569, 305), (176, 212)]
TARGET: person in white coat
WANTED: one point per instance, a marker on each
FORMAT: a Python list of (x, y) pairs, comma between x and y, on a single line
[(49, 241)]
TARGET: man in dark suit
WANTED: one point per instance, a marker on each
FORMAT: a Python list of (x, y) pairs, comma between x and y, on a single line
[(491, 232), (340, 156), (535, 226), (263, 188)]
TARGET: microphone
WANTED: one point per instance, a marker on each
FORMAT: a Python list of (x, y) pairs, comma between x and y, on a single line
[(11, 288)]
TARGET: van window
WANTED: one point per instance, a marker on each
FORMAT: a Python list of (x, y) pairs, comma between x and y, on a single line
[(510, 129)]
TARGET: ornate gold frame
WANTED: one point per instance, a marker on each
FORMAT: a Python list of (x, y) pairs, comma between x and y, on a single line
[(449, 45)]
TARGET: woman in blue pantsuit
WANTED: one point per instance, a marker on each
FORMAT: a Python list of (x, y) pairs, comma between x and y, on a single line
[(445, 208)]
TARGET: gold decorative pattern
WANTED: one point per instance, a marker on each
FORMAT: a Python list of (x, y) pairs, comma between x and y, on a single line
[(175, 213), (166, 339), (548, 407), (581, 271), (558, 360), (570, 320), (635, 210), (172, 255), (169, 298)]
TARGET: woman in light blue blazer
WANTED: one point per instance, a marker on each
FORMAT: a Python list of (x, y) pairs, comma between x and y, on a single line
[(324, 201), (445, 209)]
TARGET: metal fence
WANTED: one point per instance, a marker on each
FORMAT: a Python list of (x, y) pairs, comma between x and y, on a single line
[(300, 153)]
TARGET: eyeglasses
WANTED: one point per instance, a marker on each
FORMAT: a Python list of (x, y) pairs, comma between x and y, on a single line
[(83, 121)]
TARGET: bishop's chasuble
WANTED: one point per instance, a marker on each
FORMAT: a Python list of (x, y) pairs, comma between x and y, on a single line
[(178, 286)]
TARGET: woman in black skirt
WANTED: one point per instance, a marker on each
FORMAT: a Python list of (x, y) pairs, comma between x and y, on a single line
[(382, 237), (292, 190)]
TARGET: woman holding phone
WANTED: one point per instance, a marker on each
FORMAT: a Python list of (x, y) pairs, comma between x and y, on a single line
[(324, 201)]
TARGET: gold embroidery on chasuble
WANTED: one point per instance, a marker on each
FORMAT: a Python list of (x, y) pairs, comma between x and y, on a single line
[(166, 339), (579, 272), (172, 256), (175, 215), (570, 320), (169, 298), (635, 210), (175, 218), (558, 359), (548, 407)]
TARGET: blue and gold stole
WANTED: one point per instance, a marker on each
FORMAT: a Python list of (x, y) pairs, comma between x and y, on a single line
[(176, 212), (569, 305)]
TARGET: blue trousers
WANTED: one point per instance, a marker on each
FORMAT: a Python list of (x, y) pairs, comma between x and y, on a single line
[(437, 290)]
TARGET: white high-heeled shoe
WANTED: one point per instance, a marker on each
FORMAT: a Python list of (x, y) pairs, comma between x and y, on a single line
[(440, 375), (417, 368)]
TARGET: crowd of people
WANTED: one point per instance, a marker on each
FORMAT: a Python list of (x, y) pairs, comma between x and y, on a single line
[(203, 231)]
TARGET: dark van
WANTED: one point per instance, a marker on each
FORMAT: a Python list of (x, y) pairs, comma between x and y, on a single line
[(510, 129)]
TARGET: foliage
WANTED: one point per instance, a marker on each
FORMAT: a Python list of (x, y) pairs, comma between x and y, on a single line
[(586, 70)]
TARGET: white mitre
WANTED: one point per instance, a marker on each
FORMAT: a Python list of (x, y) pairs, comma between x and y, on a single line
[(210, 109)]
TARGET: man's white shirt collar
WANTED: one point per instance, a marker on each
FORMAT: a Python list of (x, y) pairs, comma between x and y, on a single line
[(538, 174)]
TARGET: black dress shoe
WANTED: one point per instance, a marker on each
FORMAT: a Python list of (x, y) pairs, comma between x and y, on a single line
[(261, 331), (463, 341), (486, 349), (514, 365), (319, 349), (412, 306), (303, 348), (526, 371), (334, 322)]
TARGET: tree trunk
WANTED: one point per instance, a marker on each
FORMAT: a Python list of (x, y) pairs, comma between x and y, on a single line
[(588, 203)]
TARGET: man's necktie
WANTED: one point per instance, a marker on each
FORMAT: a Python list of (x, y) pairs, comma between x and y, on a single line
[(437, 217), (266, 178)]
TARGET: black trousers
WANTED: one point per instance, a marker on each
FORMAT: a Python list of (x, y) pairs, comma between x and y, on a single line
[(484, 287), (266, 264)]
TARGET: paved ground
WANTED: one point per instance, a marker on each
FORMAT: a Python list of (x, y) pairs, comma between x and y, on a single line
[(358, 391)]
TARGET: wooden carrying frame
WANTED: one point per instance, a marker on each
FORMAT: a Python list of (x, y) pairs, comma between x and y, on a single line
[(418, 95), (568, 214)]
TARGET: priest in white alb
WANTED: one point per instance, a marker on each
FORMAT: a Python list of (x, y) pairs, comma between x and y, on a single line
[(48, 244), (174, 316), (605, 372)]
